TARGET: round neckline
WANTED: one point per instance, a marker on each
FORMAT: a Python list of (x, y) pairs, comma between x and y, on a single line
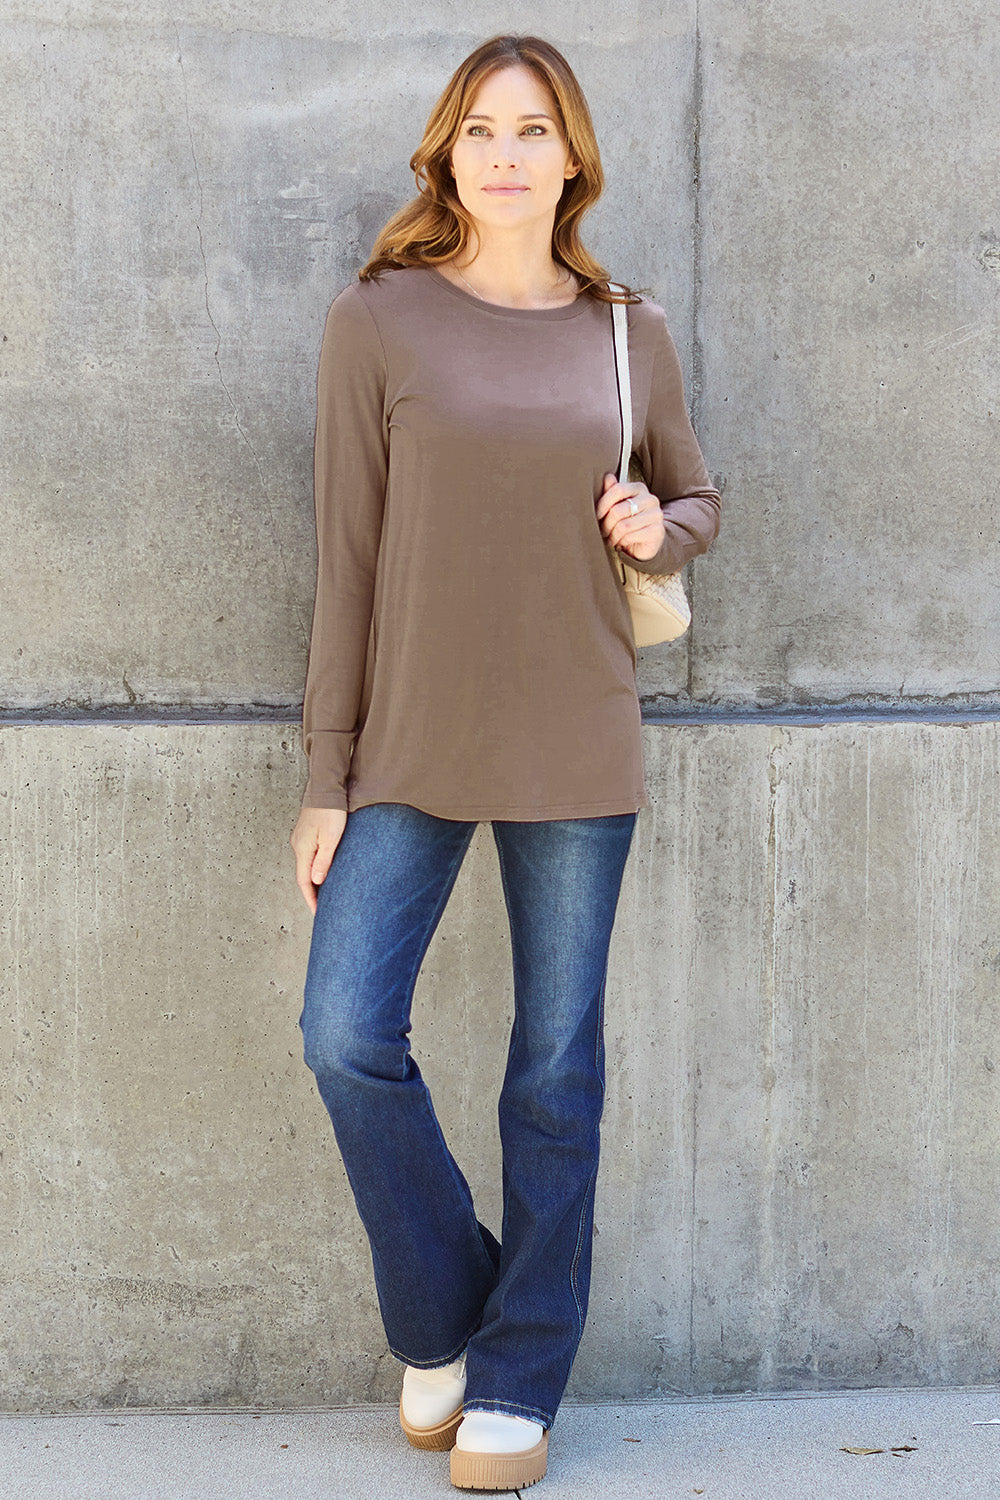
[(497, 310)]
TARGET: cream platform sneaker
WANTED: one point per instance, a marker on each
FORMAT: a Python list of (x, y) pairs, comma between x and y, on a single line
[(496, 1452), (430, 1407)]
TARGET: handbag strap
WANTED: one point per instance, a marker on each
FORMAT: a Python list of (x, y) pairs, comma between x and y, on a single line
[(620, 333)]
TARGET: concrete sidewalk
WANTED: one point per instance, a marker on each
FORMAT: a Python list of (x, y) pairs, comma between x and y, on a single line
[(727, 1448)]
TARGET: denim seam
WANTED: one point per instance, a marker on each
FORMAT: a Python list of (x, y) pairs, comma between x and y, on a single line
[(599, 1034), (592, 1184), (515, 1023), (574, 1286), (435, 1364), (511, 1408)]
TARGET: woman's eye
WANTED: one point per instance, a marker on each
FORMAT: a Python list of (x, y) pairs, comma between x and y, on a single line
[(473, 128)]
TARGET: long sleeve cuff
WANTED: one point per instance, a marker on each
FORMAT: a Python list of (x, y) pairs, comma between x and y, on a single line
[(329, 755), (692, 522)]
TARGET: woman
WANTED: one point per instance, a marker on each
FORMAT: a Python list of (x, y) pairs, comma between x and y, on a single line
[(472, 659)]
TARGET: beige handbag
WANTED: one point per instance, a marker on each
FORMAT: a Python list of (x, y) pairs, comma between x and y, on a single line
[(657, 601)]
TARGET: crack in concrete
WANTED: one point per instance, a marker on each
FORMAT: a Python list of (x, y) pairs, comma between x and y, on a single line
[(654, 713), (697, 353), (268, 505), (145, 711), (692, 1268), (769, 1040)]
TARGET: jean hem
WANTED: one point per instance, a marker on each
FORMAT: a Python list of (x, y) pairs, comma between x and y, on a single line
[(509, 1409), (430, 1364)]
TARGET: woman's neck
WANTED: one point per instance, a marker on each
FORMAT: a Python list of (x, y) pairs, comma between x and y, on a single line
[(495, 276)]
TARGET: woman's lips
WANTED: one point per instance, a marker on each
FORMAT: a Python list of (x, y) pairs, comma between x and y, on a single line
[(501, 190)]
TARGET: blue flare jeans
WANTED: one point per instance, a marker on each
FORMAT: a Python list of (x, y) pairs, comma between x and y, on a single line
[(444, 1282)]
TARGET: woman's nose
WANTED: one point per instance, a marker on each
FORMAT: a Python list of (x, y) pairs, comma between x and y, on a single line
[(505, 153)]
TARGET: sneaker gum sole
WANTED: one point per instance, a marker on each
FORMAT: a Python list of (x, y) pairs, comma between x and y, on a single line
[(499, 1471), (436, 1439)]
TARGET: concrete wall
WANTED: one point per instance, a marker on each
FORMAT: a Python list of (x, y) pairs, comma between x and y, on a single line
[(848, 307), (800, 1169), (800, 1174)]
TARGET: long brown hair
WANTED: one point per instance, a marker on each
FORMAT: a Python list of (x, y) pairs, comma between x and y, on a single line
[(435, 225)]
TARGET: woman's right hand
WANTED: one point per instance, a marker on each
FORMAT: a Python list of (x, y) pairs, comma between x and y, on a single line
[(315, 838)]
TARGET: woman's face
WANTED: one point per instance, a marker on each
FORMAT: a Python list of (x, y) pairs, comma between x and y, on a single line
[(510, 160)]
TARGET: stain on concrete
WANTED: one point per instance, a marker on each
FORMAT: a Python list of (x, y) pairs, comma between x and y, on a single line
[(136, 1291), (989, 258)]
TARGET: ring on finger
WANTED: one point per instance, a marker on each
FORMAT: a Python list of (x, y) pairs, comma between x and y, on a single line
[(632, 506)]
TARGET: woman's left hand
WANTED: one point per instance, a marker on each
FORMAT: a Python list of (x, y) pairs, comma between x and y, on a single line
[(638, 532)]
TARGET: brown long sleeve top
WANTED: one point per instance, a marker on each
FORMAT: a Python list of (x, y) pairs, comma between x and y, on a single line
[(471, 650)]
